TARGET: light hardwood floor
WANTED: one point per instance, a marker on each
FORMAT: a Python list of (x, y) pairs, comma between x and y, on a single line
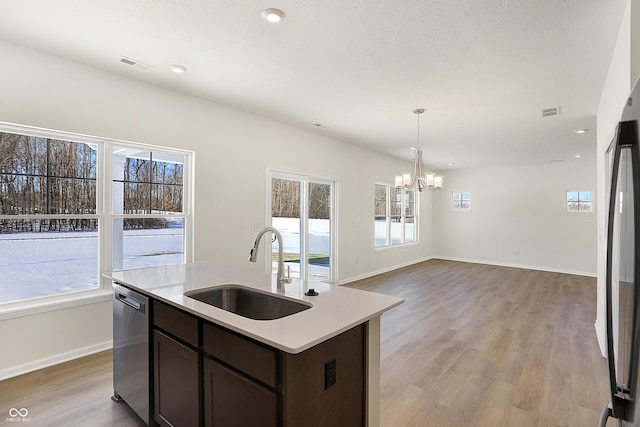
[(75, 393), (473, 345), (480, 345)]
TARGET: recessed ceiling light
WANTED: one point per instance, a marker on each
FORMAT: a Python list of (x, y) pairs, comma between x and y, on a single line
[(581, 130), (450, 164), (178, 69), (577, 156), (273, 15)]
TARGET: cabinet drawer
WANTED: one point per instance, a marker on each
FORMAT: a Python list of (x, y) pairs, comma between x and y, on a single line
[(177, 323), (251, 358)]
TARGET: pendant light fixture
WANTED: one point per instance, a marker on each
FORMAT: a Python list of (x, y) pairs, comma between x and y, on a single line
[(418, 178)]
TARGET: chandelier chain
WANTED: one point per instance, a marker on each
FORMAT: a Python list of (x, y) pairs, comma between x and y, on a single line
[(418, 112), (419, 131)]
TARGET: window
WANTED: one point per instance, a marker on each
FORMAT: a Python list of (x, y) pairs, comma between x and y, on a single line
[(59, 218), (48, 221), (461, 201), (147, 199), (395, 216), (579, 201), (302, 209)]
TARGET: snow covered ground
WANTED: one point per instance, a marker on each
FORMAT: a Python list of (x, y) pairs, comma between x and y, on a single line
[(40, 264), (319, 244)]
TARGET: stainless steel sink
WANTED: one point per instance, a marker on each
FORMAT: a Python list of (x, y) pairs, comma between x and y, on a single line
[(248, 302)]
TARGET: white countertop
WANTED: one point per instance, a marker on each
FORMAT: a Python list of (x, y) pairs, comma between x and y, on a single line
[(336, 309)]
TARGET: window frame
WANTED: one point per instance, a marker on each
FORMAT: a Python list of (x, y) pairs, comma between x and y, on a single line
[(579, 211), (104, 215), (460, 200), (306, 181), (187, 201), (402, 217)]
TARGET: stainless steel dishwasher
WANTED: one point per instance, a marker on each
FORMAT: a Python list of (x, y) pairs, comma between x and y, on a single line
[(131, 350)]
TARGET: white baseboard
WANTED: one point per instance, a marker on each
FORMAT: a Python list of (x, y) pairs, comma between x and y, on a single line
[(35, 365), (384, 270), (473, 261), (524, 266)]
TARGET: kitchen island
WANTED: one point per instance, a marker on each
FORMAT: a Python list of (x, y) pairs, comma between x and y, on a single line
[(320, 366)]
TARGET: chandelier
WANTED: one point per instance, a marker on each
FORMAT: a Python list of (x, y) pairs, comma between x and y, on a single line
[(418, 178)]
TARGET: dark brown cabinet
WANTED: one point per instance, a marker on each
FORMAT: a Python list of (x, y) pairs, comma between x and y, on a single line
[(321, 395), (176, 367), (207, 375), (253, 359), (233, 400), (176, 390)]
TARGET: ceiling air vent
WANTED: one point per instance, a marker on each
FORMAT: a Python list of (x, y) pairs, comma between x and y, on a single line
[(134, 63), (553, 111)]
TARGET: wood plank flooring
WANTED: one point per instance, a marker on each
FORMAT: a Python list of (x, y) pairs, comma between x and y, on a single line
[(473, 345), (75, 393), (480, 345)]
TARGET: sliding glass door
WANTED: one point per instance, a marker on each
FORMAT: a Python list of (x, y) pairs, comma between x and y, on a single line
[(302, 209)]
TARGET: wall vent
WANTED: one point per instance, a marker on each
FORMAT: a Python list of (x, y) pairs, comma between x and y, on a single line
[(134, 63), (553, 111)]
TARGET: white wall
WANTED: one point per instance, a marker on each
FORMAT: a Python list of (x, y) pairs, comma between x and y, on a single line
[(518, 218), (635, 41), (44, 339), (40, 90)]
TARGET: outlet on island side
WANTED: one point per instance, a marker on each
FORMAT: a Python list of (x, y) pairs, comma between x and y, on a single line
[(329, 373)]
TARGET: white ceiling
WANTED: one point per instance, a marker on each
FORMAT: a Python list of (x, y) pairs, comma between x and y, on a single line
[(483, 69)]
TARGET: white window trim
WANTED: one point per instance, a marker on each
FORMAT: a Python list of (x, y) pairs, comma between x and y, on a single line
[(593, 203), (416, 216), (103, 292), (283, 174), (460, 210)]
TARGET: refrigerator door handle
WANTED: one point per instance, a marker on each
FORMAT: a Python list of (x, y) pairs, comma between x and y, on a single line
[(613, 382), (621, 398), (632, 141)]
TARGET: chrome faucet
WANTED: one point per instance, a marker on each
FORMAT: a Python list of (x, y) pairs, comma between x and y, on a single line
[(253, 256)]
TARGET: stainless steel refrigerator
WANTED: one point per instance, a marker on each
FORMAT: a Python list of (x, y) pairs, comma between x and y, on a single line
[(623, 267)]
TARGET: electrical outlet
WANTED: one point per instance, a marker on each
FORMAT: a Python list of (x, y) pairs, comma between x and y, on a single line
[(329, 373)]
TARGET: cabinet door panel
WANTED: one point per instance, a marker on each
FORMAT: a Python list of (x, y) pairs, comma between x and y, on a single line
[(176, 394), (232, 400)]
